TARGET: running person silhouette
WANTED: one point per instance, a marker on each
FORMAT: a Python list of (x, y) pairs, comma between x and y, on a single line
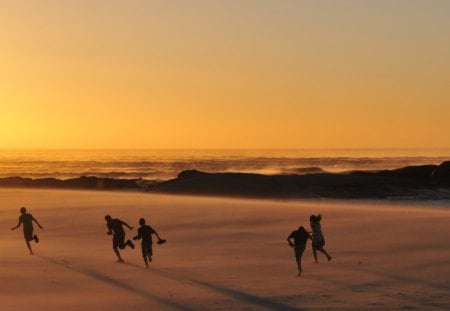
[(318, 241), (115, 227), (300, 238), (27, 221), (145, 233)]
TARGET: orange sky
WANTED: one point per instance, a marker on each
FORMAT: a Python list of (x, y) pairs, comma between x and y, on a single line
[(224, 74)]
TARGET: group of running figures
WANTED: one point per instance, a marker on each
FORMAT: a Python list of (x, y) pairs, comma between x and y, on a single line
[(115, 228)]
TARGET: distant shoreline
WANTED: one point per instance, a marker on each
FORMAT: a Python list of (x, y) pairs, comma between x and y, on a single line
[(424, 182)]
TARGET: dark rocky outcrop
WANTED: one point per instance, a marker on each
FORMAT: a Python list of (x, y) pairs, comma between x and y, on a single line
[(414, 182), (425, 181)]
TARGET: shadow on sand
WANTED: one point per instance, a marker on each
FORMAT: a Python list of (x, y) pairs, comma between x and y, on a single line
[(248, 298), (258, 301), (117, 283), (229, 292)]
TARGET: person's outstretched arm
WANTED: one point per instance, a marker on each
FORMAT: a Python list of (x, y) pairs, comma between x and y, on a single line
[(157, 235), (127, 225), (20, 222), (138, 237), (35, 220)]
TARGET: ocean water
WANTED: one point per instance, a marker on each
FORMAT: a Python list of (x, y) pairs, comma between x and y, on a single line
[(166, 164)]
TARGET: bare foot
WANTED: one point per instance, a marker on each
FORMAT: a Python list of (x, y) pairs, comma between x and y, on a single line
[(120, 260)]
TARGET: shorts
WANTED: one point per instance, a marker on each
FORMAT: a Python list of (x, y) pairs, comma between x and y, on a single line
[(119, 241), (147, 250), (28, 234), (318, 244), (299, 249)]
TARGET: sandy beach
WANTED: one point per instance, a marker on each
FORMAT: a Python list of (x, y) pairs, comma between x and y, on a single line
[(222, 254)]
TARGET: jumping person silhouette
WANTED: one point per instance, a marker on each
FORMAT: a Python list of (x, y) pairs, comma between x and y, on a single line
[(145, 233), (300, 238), (318, 241), (115, 227), (27, 221)]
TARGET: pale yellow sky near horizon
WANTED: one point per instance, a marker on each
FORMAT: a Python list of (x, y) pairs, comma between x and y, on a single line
[(224, 74)]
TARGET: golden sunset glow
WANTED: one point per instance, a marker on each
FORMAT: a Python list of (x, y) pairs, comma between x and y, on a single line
[(224, 74)]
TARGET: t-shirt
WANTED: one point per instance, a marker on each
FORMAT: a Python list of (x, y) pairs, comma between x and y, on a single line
[(27, 221), (300, 237), (116, 226), (145, 232)]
